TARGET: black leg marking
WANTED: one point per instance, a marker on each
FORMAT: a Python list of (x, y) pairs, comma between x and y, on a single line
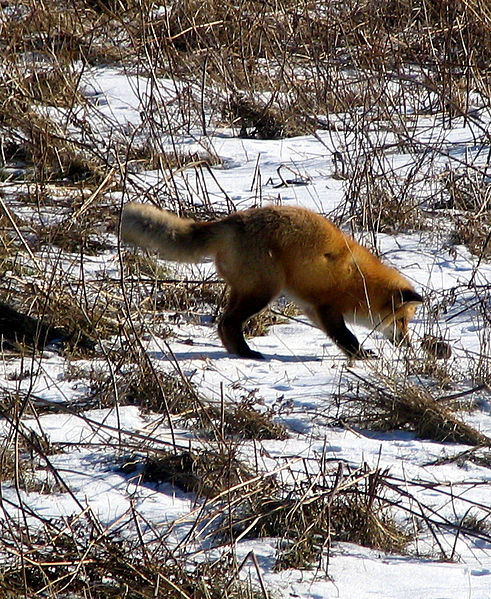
[(240, 309), (335, 327)]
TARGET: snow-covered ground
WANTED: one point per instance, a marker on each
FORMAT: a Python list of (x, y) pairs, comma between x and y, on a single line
[(304, 374)]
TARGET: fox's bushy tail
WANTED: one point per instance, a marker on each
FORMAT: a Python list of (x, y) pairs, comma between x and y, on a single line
[(175, 238)]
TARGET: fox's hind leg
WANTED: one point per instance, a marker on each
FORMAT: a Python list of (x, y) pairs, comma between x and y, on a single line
[(239, 309)]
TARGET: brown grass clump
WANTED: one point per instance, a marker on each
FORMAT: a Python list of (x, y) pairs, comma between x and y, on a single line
[(382, 212), (376, 203), (205, 473), (259, 324), (310, 517), (466, 201), (190, 296), (475, 233), (84, 322), (436, 347), (307, 518), (166, 293), (397, 404), (54, 156), (84, 560), (46, 150), (19, 330), (69, 31), (175, 394), (148, 156), (264, 120), (7, 463), (54, 86), (158, 391), (72, 237), (23, 455), (244, 421)]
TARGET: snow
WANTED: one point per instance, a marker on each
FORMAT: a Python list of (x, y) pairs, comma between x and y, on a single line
[(302, 374)]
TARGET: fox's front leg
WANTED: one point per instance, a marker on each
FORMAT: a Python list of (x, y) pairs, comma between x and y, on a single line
[(334, 326)]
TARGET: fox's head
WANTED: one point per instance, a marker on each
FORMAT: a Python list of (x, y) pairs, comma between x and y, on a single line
[(397, 315)]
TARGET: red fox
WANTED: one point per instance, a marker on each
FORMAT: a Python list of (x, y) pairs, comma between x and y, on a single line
[(261, 251)]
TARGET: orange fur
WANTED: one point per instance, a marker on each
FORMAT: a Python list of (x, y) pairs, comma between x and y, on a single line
[(263, 251)]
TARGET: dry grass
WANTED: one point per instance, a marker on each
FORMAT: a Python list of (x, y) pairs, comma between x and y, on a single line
[(312, 516), (243, 421), (24, 455), (475, 233), (391, 403), (78, 559), (267, 70), (256, 119), (205, 473), (378, 209), (150, 389), (259, 324), (307, 518), (466, 202)]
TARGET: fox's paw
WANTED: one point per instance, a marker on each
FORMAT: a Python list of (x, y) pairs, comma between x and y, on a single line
[(250, 354), (255, 355), (365, 354)]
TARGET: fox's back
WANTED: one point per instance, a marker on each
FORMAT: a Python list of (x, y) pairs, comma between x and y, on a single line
[(281, 228), (305, 254), (301, 244)]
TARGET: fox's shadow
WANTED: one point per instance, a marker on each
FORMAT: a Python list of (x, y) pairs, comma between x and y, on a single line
[(217, 354)]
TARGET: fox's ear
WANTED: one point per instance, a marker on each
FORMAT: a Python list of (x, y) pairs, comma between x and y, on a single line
[(408, 296)]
